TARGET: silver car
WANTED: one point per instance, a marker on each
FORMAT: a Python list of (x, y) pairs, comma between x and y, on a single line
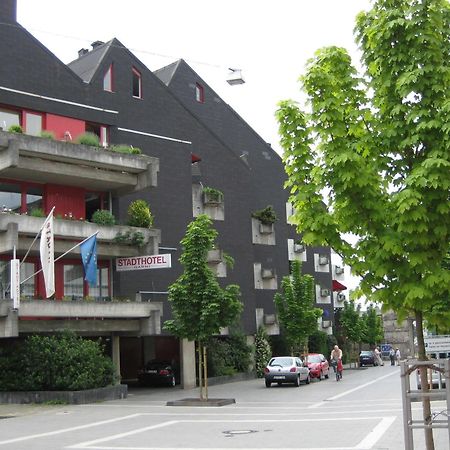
[(286, 369)]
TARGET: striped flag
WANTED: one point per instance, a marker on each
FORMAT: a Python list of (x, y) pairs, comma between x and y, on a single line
[(47, 250)]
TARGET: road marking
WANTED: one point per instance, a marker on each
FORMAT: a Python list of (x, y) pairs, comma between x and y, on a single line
[(372, 438), (362, 386), (67, 430), (366, 444), (121, 435)]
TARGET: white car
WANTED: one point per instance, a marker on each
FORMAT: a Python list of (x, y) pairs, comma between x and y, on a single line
[(286, 369)]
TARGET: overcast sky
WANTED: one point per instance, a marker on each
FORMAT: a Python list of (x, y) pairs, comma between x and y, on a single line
[(269, 40)]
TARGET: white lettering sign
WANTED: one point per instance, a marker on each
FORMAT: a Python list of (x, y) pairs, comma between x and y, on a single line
[(437, 344), (144, 262)]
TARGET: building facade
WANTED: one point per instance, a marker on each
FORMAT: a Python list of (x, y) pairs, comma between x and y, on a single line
[(192, 144)]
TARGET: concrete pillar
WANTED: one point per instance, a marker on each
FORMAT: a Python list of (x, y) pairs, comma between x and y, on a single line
[(115, 345), (187, 362)]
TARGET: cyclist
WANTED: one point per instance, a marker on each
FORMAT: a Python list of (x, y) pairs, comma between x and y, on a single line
[(336, 361)]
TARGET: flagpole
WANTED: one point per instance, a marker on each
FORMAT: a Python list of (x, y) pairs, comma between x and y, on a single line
[(37, 235), (64, 254)]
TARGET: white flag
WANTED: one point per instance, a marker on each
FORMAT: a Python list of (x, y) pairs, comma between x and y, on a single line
[(48, 256)]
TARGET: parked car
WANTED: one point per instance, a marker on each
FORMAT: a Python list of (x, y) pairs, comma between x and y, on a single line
[(286, 369), (367, 358), (318, 366), (157, 373)]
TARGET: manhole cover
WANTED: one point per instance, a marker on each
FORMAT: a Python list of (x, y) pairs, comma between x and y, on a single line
[(231, 433)]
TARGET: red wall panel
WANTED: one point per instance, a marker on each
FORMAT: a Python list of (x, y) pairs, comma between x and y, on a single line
[(59, 125), (66, 200)]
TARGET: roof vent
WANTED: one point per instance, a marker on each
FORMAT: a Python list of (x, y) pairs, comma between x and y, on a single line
[(96, 44), (82, 52)]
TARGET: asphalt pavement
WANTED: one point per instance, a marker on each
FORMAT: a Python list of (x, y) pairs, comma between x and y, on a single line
[(363, 411)]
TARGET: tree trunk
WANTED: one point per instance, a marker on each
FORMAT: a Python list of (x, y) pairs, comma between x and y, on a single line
[(205, 372), (200, 368), (426, 403)]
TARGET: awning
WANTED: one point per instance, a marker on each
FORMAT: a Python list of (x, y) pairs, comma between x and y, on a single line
[(338, 286), (195, 158)]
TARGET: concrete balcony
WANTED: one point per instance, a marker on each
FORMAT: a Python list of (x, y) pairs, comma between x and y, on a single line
[(87, 318), (40, 160), (20, 230)]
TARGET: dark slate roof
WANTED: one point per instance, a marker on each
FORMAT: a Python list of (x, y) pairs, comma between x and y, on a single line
[(166, 73), (86, 66)]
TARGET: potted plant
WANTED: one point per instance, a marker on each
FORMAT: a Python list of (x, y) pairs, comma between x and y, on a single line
[(212, 196), (139, 214), (267, 218)]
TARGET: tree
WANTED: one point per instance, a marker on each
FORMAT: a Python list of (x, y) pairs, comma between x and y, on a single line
[(379, 146), (263, 351), (373, 326), (295, 308), (352, 325), (200, 307)]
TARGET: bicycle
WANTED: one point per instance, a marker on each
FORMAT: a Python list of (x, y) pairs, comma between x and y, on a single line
[(337, 367)]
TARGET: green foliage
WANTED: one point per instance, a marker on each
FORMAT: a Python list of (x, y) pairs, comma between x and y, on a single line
[(373, 325), (228, 355), (213, 195), (295, 307), (263, 351), (380, 147), (267, 216), (129, 237), (52, 363), (89, 139), (139, 214), (318, 343), (103, 217), (352, 323), (15, 129), (37, 212), (127, 149), (200, 307), (46, 134)]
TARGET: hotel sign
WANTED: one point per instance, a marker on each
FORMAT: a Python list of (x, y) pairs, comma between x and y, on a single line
[(144, 262)]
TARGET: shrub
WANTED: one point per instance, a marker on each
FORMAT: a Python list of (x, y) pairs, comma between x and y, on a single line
[(137, 238), (89, 139), (103, 217), (139, 214), (15, 129), (263, 351), (55, 363), (37, 212), (128, 149), (267, 216), (47, 134)]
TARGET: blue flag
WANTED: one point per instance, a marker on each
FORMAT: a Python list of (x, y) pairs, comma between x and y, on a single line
[(88, 251)]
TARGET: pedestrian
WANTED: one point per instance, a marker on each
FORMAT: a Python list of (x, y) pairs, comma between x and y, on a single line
[(392, 356), (397, 356), (378, 356)]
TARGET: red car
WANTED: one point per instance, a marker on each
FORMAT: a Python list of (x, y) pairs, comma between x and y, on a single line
[(318, 366)]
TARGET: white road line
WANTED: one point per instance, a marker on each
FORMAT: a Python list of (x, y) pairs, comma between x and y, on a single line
[(362, 386), (372, 438), (67, 430), (121, 435)]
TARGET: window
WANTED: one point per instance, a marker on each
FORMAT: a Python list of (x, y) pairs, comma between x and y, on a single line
[(101, 291), (137, 84), (8, 118), (101, 131), (33, 198), (26, 288), (73, 282), (199, 93), (10, 197), (108, 80), (33, 123)]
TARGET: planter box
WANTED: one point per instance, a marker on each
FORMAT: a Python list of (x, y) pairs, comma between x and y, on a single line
[(266, 228), (118, 391)]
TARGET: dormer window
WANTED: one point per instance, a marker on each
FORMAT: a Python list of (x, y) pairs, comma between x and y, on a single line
[(137, 83), (199, 93), (108, 80)]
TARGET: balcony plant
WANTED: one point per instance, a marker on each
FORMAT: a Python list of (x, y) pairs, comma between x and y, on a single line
[(127, 149), (46, 134), (139, 214), (89, 139), (15, 129), (37, 212), (103, 217), (266, 216), (130, 238), (212, 196)]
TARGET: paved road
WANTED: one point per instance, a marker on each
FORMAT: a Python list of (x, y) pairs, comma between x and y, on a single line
[(361, 412)]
